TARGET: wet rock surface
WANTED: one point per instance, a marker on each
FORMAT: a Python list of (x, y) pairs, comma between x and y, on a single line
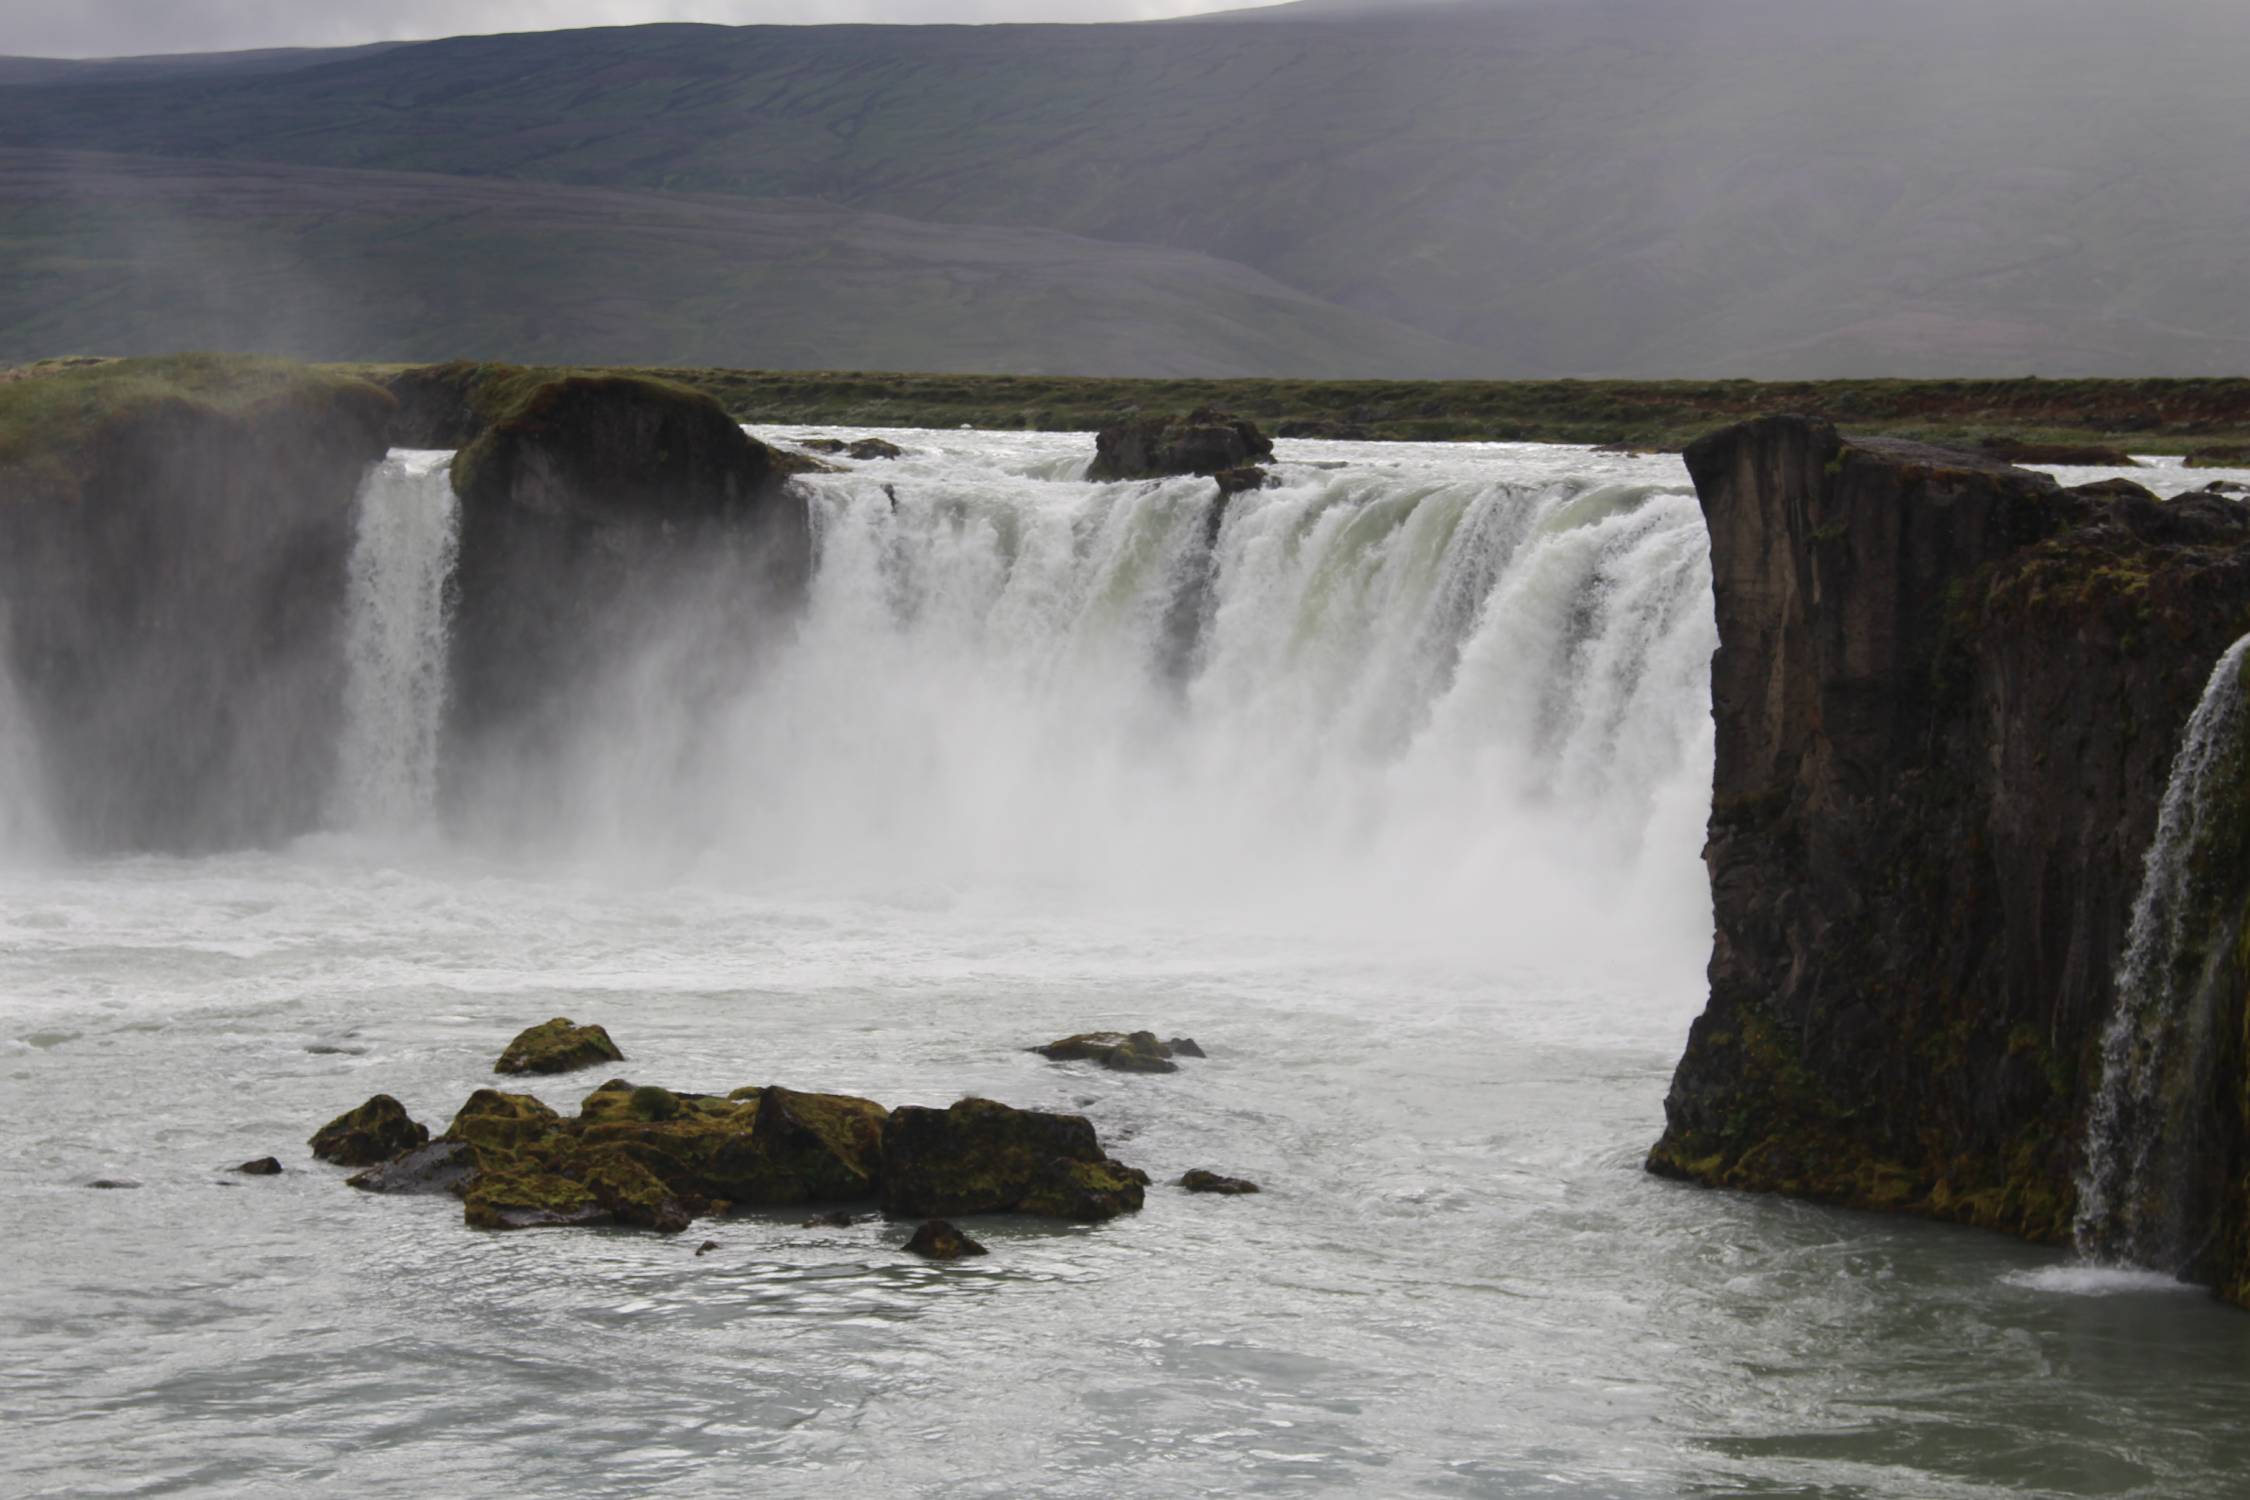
[(644, 1156), (1202, 1180), (557, 1046), (1121, 1051), (1205, 441), (375, 1132), (979, 1156), (937, 1239), (263, 1166)]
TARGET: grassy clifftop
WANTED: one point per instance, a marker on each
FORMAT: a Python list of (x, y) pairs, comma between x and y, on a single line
[(2143, 415)]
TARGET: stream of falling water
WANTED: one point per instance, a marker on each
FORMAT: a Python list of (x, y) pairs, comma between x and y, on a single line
[(2127, 1181)]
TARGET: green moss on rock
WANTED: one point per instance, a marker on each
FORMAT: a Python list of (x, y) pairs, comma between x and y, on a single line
[(374, 1132), (557, 1046), (982, 1157)]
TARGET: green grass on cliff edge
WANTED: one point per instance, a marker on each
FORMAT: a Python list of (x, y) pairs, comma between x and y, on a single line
[(48, 409), (2170, 416), (50, 412)]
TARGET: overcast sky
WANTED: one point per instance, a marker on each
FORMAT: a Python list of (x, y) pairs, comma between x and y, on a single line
[(120, 28)]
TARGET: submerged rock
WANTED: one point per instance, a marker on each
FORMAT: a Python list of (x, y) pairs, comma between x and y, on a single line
[(1126, 1052), (937, 1239), (376, 1131), (1205, 441), (874, 447), (1202, 1180), (1184, 1046), (557, 1046), (981, 1157), (264, 1166), (442, 1166), (112, 1183)]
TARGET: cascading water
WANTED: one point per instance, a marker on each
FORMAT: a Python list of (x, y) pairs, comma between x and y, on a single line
[(24, 828), (1414, 698), (395, 645), (2132, 1156)]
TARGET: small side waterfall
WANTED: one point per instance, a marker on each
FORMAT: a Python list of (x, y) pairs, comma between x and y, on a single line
[(2133, 1157), (395, 644), (24, 828)]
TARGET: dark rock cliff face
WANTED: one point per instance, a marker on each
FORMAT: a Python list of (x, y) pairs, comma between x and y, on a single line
[(601, 515), (1947, 695), (172, 608)]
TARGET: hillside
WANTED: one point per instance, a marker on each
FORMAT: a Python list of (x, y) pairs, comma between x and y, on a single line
[(122, 255), (1741, 187)]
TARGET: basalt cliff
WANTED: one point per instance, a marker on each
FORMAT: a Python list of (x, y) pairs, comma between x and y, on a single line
[(1947, 694)]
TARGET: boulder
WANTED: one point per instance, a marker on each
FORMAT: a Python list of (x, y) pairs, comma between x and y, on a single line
[(264, 1166), (376, 1131), (499, 1125), (1133, 1052), (1236, 481), (1184, 1046), (2226, 487), (442, 1166), (557, 1046), (1204, 441), (756, 1147), (936, 1239), (874, 447), (981, 1157), (1201, 1180), (516, 1197)]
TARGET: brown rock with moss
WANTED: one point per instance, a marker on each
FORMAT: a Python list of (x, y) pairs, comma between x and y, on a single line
[(1947, 696), (1125, 1052), (557, 1046), (756, 1147), (983, 1157), (376, 1131)]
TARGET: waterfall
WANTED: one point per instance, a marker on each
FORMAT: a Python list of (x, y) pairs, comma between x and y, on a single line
[(1461, 697), (395, 644), (24, 827), (2132, 1158)]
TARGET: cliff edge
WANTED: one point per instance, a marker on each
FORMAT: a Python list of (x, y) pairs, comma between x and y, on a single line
[(1947, 693)]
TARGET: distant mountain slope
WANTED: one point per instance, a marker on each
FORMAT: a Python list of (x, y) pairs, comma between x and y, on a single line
[(1775, 187), (121, 255)]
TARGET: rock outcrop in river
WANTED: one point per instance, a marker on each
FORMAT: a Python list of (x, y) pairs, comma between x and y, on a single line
[(1947, 694), (1202, 442)]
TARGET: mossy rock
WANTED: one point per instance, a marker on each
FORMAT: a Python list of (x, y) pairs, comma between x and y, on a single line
[(1124, 1052), (527, 1198), (757, 1147), (979, 1156), (376, 1131), (557, 1046), (499, 1124)]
